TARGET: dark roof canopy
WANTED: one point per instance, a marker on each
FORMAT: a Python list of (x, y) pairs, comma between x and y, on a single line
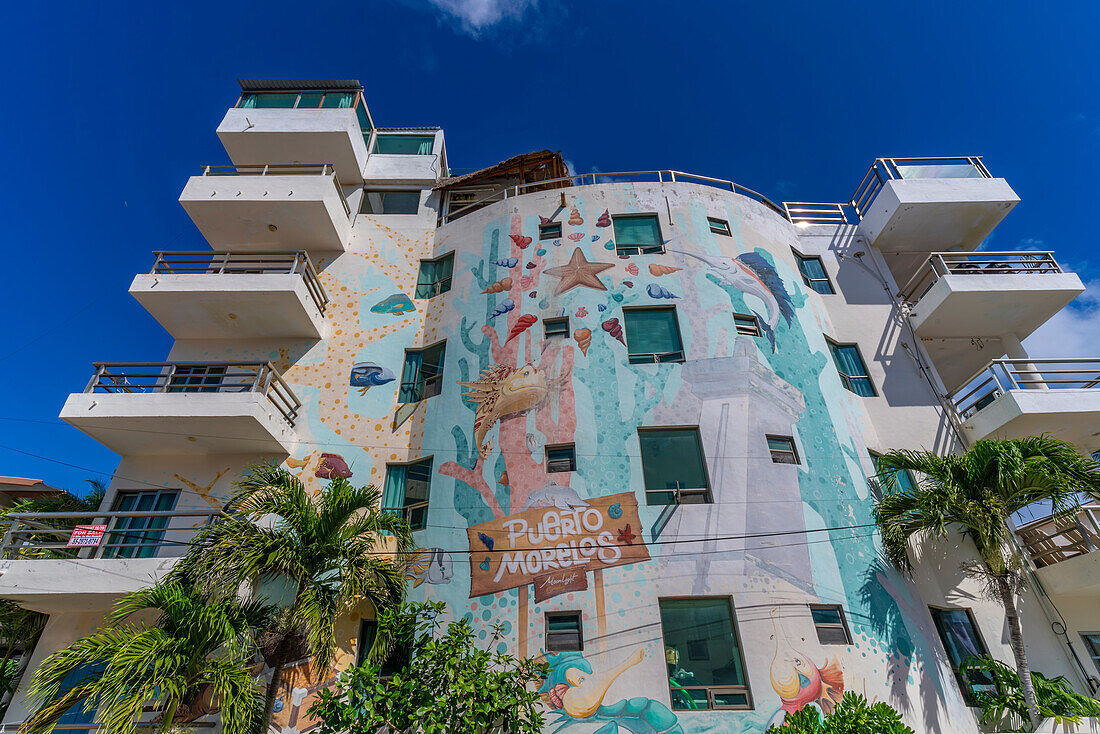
[(524, 162), (300, 85)]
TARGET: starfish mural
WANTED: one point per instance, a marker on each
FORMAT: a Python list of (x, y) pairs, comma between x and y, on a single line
[(578, 272)]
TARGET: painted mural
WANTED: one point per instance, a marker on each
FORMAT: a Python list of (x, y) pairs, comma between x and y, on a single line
[(507, 541)]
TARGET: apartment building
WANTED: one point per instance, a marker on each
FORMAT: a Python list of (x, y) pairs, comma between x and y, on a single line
[(631, 416)]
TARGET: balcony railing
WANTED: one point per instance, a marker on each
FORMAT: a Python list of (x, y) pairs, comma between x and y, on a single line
[(1024, 374), (47, 535), (243, 263), (282, 169), (193, 377), (591, 179), (977, 263), (1054, 539)]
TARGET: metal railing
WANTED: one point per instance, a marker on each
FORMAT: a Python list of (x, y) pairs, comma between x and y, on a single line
[(591, 179), (940, 264), (887, 169), (45, 535), (1057, 538), (1002, 375), (282, 169), (812, 212), (244, 263), (197, 377)]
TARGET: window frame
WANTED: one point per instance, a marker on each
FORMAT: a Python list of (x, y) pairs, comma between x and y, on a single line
[(756, 330), (848, 380), (1092, 652), (435, 380), (545, 234), (842, 625), (875, 456), (389, 134), (405, 509), (135, 537), (361, 650), (437, 286), (657, 357), (705, 493), (808, 280), (723, 226), (658, 249), (747, 688), (548, 635), (797, 460), (572, 459), (965, 688), (555, 321), (369, 190)]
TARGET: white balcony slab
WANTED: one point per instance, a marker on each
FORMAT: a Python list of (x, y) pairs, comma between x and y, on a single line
[(389, 168), (261, 136), (224, 305), (181, 423), (272, 212), (65, 585), (1070, 414)]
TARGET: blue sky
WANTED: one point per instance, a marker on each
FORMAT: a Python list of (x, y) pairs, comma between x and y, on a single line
[(111, 106)]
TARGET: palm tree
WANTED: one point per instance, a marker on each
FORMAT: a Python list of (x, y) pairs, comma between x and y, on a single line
[(326, 553), (979, 491), (197, 655)]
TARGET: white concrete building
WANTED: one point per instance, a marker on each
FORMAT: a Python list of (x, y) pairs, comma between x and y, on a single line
[(698, 377)]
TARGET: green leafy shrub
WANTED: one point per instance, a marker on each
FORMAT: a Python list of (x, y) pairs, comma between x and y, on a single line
[(450, 684), (1005, 707), (853, 715)]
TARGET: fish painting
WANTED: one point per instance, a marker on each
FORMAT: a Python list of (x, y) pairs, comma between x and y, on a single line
[(368, 374), (798, 681), (750, 273), (332, 466), (430, 565), (501, 391), (396, 304), (554, 495)]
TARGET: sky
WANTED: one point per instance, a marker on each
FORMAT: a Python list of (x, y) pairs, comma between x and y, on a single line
[(112, 106)]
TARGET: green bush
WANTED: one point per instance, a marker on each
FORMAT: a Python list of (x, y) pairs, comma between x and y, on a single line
[(853, 715), (1005, 707)]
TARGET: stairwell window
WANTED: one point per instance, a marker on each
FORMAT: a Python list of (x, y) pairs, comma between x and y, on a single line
[(719, 226), (652, 335), (406, 492), (746, 324), (564, 632), (403, 144), (898, 481), (783, 450), (673, 466), (379, 201), (422, 375), (435, 276), (561, 458), (556, 327), (813, 273), (831, 625), (853, 370), (706, 669), (961, 641), (549, 231), (637, 234)]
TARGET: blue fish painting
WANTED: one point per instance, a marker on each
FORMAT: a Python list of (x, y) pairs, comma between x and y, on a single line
[(368, 374), (508, 262), (396, 304), (659, 291), (505, 306)]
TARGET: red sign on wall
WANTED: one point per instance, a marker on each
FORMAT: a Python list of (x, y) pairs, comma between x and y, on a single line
[(86, 535)]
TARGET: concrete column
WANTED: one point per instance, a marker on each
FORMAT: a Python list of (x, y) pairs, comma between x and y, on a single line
[(1014, 349)]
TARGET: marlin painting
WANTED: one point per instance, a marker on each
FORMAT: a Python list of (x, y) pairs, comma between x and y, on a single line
[(752, 274)]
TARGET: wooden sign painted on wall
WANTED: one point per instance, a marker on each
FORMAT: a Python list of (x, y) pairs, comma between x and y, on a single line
[(513, 551)]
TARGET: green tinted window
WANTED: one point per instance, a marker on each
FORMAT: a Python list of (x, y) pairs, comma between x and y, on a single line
[(376, 201), (422, 375), (404, 144), (406, 491), (652, 335), (853, 372), (435, 276), (637, 233), (672, 458), (813, 274), (705, 665)]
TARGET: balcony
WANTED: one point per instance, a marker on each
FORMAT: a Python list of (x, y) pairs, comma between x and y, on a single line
[(1011, 398), (405, 155), (269, 207), (959, 296), (282, 121), (1063, 550), (221, 295), (123, 552), (187, 408)]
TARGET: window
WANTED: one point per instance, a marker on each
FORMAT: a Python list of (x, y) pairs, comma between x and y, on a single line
[(719, 226), (377, 201), (435, 276), (1092, 647), (406, 492), (652, 335), (562, 457), (549, 231), (422, 375), (672, 464), (831, 626), (404, 144), (395, 662), (197, 378), (76, 714), (139, 537), (563, 632), (556, 327), (813, 273), (782, 450), (960, 639), (637, 234), (746, 324), (853, 371), (703, 655), (903, 480)]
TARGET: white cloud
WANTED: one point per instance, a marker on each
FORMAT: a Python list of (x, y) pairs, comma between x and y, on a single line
[(477, 15), (1073, 332)]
